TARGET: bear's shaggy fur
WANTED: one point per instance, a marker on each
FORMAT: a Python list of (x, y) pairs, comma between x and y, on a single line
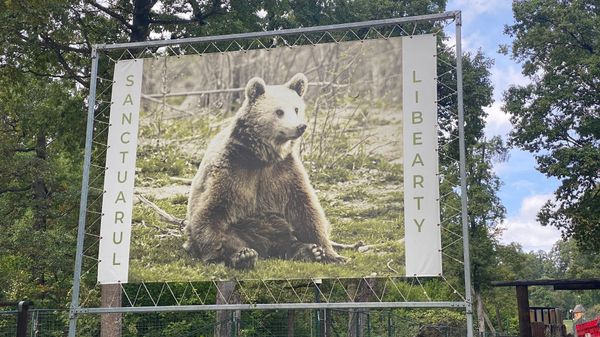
[(251, 196)]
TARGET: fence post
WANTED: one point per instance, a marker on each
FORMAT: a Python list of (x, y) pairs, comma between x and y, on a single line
[(22, 317), (389, 322), (234, 323)]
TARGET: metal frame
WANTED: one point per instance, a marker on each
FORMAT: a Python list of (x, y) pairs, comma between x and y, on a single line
[(181, 44)]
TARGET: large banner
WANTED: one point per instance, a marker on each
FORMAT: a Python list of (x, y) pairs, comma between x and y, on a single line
[(291, 162)]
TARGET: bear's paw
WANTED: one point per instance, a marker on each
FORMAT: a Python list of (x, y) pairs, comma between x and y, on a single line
[(334, 258), (310, 252), (244, 259)]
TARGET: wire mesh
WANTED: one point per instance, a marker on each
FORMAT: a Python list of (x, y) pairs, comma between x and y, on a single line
[(231, 323), (336, 290), (8, 323), (40, 323)]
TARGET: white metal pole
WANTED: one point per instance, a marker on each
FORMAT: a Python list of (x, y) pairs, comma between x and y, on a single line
[(84, 196), (463, 177)]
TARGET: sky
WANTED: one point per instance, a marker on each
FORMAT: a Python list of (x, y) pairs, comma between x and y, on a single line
[(524, 190)]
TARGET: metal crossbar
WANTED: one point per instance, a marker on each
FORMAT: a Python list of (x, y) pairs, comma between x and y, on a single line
[(214, 307), (284, 32)]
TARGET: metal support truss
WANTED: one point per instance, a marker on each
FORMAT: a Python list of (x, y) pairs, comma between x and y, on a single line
[(145, 298)]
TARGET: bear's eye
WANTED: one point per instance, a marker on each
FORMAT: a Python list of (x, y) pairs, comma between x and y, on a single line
[(296, 109), (279, 112)]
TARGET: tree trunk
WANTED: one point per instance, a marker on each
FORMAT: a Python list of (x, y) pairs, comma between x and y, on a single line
[(40, 199), (291, 317), (480, 318), (324, 323), (357, 319), (499, 321), (110, 324), (140, 27), (227, 321)]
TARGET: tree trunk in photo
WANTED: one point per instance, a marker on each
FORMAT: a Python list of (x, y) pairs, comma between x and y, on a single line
[(227, 321), (110, 324), (291, 317)]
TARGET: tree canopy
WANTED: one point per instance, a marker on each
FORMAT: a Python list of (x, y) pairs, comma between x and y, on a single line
[(557, 116)]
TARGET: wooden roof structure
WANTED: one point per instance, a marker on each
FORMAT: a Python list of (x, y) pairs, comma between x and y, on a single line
[(523, 294), (581, 284)]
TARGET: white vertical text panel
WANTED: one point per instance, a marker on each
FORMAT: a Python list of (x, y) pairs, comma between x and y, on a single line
[(117, 202), (421, 184)]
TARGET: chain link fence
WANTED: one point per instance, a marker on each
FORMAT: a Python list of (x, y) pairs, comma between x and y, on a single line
[(41, 322), (258, 323), (8, 323)]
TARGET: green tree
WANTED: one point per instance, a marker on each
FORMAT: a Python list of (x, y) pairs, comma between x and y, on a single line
[(557, 117), (40, 131)]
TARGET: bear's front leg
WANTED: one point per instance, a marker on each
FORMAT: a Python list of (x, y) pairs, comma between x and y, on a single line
[(305, 214), (212, 232)]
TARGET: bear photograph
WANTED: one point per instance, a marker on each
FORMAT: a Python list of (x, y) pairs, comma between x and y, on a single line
[(279, 163)]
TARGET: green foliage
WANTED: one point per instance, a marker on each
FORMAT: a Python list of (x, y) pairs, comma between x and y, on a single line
[(565, 261), (556, 117), (298, 13), (39, 161), (163, 162)]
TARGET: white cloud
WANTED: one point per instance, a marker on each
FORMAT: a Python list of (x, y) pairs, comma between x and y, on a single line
[(497, 121), (523, 184), (503, 77), (472, 8), (525, 230), (451, 42), (519, 172), (469, 43)]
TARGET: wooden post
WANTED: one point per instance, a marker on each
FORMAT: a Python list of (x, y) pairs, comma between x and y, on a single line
[(499, 320), (227, 321), (480, 318), (291, 318), (110, 324), (23, 318), (358, 318), (523, 305)]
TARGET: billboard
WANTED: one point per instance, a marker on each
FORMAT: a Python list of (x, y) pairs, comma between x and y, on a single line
[(293, 162)]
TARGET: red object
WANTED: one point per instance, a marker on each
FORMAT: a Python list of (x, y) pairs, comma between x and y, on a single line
[(588, 329)]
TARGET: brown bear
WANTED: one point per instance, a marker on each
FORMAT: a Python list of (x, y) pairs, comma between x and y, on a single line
[(252, 196)]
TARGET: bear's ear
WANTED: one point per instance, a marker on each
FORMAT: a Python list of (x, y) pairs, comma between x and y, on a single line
[(298, 83), (255, 88)]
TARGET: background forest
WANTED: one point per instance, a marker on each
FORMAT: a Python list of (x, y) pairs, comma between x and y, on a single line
[(44, 79)]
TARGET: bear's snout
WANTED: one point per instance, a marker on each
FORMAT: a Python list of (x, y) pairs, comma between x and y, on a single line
[(300, 129)]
